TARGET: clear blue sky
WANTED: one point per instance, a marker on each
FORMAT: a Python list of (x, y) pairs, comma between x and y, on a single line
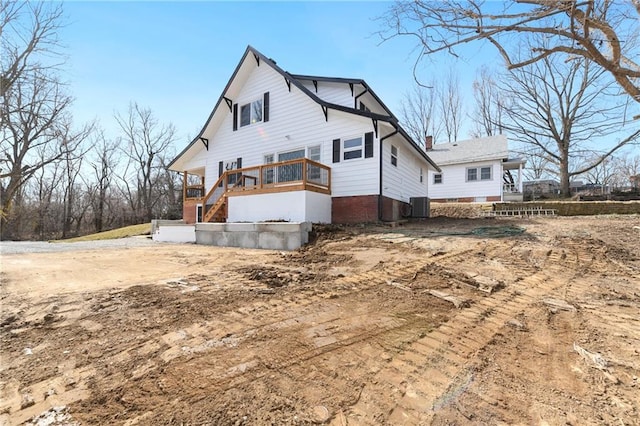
[(176, 57)]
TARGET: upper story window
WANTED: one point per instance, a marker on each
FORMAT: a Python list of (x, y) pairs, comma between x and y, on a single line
[(251, 113), (394, 156), (421, 175), (352, 148), (478, 173), (437, 178)]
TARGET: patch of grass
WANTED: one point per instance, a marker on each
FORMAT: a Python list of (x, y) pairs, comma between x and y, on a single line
[(127, 231)]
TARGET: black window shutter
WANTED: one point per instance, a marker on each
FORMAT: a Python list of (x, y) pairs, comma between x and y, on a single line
[(239, 163), (265, 115), (368, 145), (336, 150), (220, 170), (235, 117)]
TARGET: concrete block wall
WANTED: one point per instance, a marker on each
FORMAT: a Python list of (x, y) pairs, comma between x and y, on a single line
[(271, 236)]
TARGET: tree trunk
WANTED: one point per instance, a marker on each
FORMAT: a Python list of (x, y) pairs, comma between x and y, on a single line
[(564, 178)]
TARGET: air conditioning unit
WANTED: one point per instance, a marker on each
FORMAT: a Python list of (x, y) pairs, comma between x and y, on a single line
[(420, 207)]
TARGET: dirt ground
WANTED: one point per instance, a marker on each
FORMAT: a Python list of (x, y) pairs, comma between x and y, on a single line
[(449, 321)]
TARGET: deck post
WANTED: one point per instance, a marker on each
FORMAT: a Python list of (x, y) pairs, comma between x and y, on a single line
[(184, 185)]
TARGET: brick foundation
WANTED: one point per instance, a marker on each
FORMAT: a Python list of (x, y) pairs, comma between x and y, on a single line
[(363, 208), (394, 210), (189, 210)]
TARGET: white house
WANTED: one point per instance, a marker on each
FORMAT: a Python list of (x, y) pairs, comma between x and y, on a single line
[(285, 147), (475, 170)]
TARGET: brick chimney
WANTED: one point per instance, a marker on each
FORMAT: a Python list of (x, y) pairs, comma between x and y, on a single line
[(428, 142)]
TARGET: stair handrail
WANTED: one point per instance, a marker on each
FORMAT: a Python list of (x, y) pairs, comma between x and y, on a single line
[(212, 190)]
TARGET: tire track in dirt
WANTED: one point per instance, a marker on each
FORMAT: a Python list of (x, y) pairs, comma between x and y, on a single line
[(391, 367), (434, 370), (227, 331)]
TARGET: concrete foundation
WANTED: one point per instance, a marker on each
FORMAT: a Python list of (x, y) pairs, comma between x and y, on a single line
[(271, 236), (172, 231)]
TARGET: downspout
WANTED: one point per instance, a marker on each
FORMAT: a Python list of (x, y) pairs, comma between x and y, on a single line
[(395, 132)]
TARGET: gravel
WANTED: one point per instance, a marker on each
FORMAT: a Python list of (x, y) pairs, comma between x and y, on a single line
[(19, 247)]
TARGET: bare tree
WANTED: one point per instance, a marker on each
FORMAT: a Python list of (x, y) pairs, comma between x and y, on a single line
[(603, 32), (34, 123), (625, 166), (103, 162), (601, 176), (29, 33), (559, 108), (450, 105), (418, 113), (74, 200), (538, 164), (145, 141), (488, 108)]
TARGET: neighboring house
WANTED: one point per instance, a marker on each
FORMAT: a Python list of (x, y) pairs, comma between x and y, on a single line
[(476, 170), (285, 147), (539, 187)]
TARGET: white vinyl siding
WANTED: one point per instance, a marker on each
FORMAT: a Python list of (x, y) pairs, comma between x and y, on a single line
[(295, 122), (402, 182), (335, 93), (455, 183)]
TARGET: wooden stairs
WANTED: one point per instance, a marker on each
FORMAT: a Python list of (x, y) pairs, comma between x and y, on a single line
[(218, 211)]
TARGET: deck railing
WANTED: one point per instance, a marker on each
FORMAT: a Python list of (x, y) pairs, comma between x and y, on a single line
[(293, 175), (511, 188)]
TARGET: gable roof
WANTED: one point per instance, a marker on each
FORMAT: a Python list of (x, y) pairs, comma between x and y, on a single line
[(297, 80), (471, 150)]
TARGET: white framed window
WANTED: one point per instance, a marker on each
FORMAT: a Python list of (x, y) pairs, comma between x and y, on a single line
[(268, 172), (437, 178), (421, 175), (478, 173), (485, 173), (251, 113), (394, 156), (314, 153), (352, 148), (313, 172)]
